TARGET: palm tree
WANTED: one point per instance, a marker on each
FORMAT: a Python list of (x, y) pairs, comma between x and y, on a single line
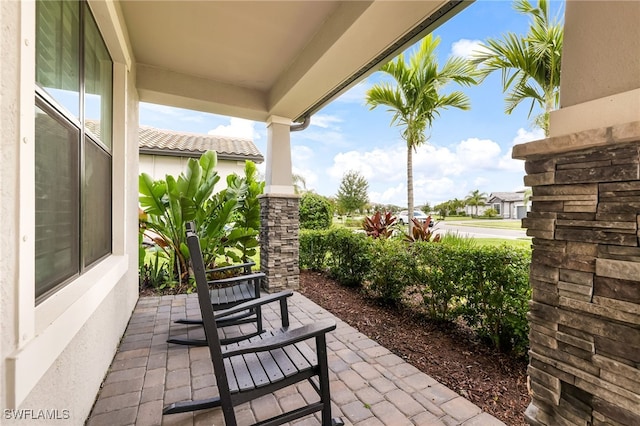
[(476, 198), (530, 65), (414, 98), (299, 184)]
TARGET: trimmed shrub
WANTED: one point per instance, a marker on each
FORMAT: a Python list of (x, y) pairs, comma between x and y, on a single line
[(314, 248), (315, 211), (348, 259), (497, 293), (392, 269)]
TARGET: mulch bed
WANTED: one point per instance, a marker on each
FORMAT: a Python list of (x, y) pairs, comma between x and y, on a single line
[(449, 353)]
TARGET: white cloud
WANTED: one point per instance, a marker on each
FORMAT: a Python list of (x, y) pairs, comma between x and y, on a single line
[(467, 48), (512, 165), (324, 120), (163, 112), (238, 127)]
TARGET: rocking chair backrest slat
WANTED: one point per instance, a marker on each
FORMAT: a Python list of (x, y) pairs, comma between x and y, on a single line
[(208, 318)]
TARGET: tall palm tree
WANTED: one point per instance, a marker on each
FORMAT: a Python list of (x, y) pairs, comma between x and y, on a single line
[(414, 97), (530, 64), (476, 198)]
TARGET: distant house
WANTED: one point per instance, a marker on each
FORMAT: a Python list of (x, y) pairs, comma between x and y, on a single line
[(164, 152), (509, 205)]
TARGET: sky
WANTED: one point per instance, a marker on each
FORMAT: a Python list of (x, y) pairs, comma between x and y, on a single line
[(466, 150)]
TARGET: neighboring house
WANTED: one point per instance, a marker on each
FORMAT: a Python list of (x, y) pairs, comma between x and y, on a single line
[(509, 205), (164, 152)]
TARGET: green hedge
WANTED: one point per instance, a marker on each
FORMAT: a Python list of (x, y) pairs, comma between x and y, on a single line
[(487, 287)]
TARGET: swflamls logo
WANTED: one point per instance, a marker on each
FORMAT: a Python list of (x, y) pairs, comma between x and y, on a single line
[(31, 414)]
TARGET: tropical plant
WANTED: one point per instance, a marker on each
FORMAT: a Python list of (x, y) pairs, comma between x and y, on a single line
[(316, 211), (299, 184), (426, 209), (352, 194), (379, 226), (169, 204), (414, 98), (421, 232), (246, 224), (529, 64), (476, 198)]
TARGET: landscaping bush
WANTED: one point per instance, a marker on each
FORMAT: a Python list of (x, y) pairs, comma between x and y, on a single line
[(313, 249), (497, 292), (348, 259), (439, 270), (392, 269), (315, 211)]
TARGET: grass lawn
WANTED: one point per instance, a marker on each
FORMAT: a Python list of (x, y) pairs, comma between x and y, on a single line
[(521, 243), (489, 223)]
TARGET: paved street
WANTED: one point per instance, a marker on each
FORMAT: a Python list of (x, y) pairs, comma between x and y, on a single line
[(476, 232)]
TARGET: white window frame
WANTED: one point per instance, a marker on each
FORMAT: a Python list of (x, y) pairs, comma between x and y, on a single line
[(45, 330)]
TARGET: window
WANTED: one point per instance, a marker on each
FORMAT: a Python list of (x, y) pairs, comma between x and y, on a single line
[(74, 76), (496, 207)]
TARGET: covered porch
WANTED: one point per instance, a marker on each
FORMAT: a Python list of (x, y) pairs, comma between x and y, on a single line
[(369, 384)]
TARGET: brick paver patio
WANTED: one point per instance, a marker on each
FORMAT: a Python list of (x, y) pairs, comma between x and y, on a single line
[(369, 385)]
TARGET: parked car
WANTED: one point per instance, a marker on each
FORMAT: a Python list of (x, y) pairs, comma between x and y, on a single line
[(403, 217)]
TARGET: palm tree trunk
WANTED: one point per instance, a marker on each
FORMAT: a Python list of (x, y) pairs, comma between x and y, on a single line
[(410, 186)]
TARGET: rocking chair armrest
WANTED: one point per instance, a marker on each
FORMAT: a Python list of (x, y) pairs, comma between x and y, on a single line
[(231, 267), (232, 280), (288, 337), (253, 303)]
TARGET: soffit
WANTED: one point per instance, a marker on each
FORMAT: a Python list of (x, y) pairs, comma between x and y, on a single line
[(253, 59)]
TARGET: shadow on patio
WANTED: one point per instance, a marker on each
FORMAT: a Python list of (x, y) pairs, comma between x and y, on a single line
[(369, 384)]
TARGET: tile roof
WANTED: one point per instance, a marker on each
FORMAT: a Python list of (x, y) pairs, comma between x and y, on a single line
[(169, 142), (507, 196)]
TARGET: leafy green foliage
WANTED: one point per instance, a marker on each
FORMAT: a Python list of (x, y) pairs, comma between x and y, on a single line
[(167, 205), (315, 211), (314, 247), (529, 64), (352, 194), (379, 226), (487, 287), (496, 292), (349, 256), (391, 271), (490, 213)]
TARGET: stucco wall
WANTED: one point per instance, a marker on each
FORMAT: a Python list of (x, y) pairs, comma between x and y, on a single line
[(600, 56), (158, 166), (69, 380)]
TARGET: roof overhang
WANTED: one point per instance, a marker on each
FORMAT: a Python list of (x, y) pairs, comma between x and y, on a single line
[(255, 59)]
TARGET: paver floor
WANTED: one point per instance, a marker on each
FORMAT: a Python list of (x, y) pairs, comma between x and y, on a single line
[(369, 385)]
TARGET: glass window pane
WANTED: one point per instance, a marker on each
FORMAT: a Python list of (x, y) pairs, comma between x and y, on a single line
[(97, 203), (58, 51), (98, 76), (56, 175)]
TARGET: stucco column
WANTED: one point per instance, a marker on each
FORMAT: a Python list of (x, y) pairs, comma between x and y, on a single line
[(585, 223), (279, 246)]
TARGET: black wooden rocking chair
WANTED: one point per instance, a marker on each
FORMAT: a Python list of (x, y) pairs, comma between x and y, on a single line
[(226, 293), (275, 359)]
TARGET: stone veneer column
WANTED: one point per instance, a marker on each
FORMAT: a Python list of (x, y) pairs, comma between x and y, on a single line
[(585, 276), (279, 217)]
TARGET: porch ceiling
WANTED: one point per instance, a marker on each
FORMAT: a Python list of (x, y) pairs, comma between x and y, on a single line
[(253, 59)]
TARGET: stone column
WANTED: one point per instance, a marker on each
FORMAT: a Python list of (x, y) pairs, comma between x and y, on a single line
[(279, 246), (585, 276)]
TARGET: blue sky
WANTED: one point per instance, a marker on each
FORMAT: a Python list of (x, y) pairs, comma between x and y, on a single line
[(466, 150)]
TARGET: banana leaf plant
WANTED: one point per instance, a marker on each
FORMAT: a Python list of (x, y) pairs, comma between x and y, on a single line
[(169, 204)]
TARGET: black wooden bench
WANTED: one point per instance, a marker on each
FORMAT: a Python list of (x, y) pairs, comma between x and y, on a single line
[(254, 367)]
